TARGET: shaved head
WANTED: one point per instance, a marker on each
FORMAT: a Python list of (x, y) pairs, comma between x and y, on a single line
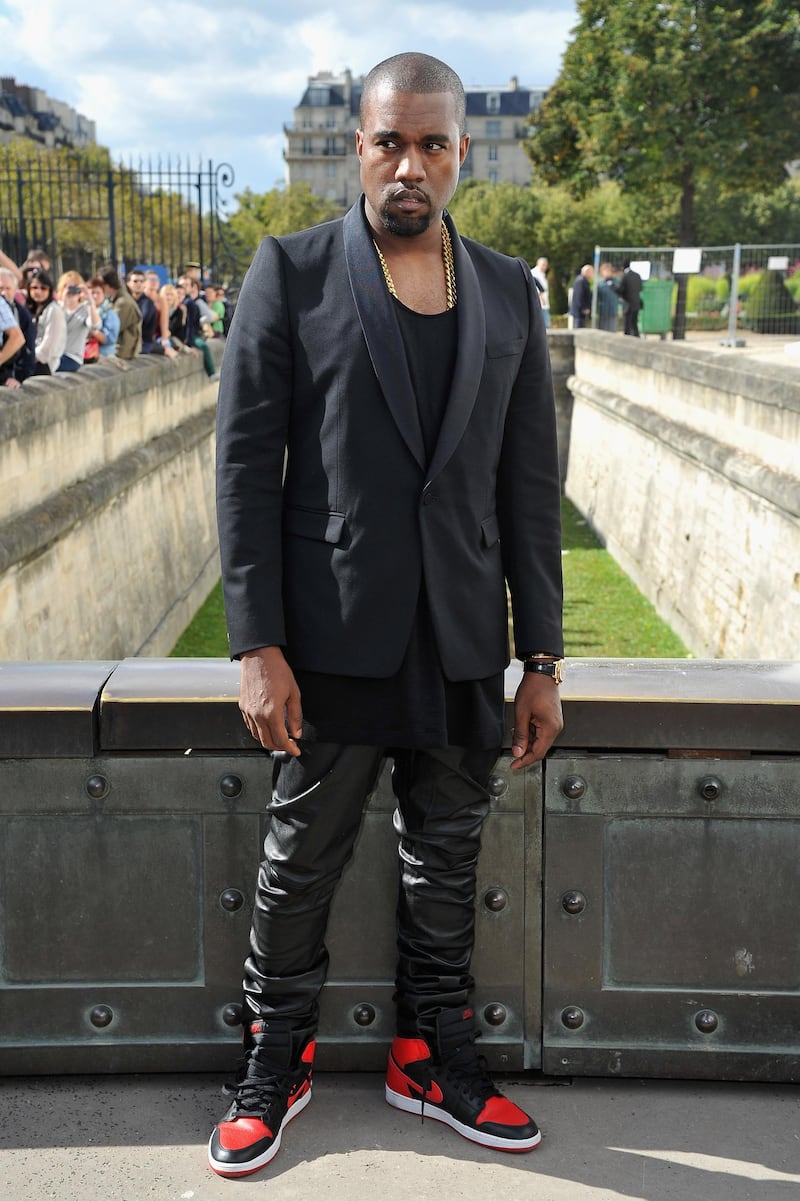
[(416, 73)]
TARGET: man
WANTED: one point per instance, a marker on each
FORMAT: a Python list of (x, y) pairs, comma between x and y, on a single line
[(607, 299), (630, 293), (12, 339), (580, 306), (401, 373), (21, 365), (539, 273), (129, 342)]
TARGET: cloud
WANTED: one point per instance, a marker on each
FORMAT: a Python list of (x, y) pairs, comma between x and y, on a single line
[(220, 78)]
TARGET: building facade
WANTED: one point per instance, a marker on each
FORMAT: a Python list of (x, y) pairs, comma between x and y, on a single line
[(320, 143), (27, 112)]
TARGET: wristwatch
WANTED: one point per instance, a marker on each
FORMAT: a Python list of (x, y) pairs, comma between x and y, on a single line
[(545, 665)]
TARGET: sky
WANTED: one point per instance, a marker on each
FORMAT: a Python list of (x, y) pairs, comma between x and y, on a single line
[(218, 79)]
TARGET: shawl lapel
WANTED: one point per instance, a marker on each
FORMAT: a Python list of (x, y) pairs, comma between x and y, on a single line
[(381, 330), (376, 313)]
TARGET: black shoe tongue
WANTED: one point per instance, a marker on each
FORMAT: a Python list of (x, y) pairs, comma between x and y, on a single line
[(455, 1028), (271, 1043)]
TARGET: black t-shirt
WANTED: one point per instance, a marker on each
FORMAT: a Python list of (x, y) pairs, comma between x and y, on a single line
[(418, 707)]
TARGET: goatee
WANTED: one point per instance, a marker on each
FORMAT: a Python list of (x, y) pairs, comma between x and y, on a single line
[(404, 227)]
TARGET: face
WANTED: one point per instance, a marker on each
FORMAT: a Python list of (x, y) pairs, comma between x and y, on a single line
[(180, 293), (151, 285), (136, 284), (168, 292), (38, 291), (7, 287), (410, 151), (98, 295)]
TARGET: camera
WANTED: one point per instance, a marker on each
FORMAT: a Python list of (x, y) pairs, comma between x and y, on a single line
[(74, 290)]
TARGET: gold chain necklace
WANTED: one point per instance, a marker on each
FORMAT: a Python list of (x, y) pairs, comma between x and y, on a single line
[(449, 269)]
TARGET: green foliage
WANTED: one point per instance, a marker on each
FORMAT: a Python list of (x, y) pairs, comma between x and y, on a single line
[(505, 216), (771, 307), (639, 99), (280, 211)]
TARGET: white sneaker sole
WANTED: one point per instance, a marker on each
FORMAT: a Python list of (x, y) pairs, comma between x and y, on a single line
[(412, 1105), (223, 1168)]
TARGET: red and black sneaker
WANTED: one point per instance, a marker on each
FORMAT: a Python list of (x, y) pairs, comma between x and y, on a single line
[(443, 1077), (274, 1088)]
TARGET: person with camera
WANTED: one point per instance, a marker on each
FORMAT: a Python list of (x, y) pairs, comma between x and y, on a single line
[(81, 316)]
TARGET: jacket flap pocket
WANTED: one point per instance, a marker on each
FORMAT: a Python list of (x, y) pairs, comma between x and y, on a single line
[(497, 350), (490, 530), (312, 523)]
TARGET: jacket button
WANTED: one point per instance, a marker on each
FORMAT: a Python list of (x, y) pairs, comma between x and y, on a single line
[(428, 498)]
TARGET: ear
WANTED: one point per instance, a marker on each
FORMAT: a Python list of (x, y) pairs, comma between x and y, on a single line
[(463, 147), (359, 142)]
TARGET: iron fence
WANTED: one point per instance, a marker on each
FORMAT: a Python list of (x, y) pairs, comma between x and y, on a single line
[(731, 289), (169, 214)]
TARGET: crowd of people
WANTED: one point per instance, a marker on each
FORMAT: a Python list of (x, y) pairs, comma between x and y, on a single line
[(49, 327)]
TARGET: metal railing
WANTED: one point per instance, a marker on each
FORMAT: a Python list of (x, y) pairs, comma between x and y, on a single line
[(168, 213), (727, 288)]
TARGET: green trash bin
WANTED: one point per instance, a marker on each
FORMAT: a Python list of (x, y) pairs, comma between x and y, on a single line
[(656, 313)]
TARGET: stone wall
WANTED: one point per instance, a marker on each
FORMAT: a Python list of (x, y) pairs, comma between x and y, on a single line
[(107, 531), (686, 461)]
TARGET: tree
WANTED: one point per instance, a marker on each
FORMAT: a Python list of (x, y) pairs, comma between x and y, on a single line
[(280, 211), (667, 96)]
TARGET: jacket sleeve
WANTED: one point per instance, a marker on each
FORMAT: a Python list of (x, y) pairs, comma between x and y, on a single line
[(529, 497), (252, 427)]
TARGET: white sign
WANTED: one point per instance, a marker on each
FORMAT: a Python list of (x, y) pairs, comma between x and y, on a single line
[(641, 267), (686, 260), (778, 262)]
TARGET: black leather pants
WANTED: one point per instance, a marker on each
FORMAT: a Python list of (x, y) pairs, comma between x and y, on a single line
[(315, 811)]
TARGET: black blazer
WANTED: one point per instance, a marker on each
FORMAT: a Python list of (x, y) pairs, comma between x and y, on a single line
[(330, 517)]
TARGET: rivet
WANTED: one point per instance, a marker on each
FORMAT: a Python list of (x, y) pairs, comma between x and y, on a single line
[(364, 1014), (573, 902), (231, 899), (498, 785), (709, 788), (231, 786), (495, 899), (706, 1021), (101, 1016), (495, 1014), (572, 1017), (232, 1014), (573, 787), (97, 787)]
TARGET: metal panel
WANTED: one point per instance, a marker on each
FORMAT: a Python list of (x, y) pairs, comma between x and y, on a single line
[(125, 903), (670, 945)]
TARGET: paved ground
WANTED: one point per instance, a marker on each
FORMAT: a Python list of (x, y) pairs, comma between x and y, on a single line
[(142, 1138), (767, 348)]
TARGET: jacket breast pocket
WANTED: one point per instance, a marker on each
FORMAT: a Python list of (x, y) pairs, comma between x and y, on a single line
[(316, 524), (504, 348)]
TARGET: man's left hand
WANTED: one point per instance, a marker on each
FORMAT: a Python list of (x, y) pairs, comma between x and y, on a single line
[(537, 719)]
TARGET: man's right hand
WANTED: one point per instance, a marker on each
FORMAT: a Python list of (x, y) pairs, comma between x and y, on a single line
[(270, 700)]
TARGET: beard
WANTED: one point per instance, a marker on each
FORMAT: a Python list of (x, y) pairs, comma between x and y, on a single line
[(405, 227)]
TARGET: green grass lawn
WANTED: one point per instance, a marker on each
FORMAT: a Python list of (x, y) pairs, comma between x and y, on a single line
[(605, 615)]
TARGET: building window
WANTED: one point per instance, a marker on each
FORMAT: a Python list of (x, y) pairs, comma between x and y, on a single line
[(330, 121), (493, 129), (308, 146), (492, 154), (492, 177), (330, 146), (331, 170), (493, 102), (308, 123)]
